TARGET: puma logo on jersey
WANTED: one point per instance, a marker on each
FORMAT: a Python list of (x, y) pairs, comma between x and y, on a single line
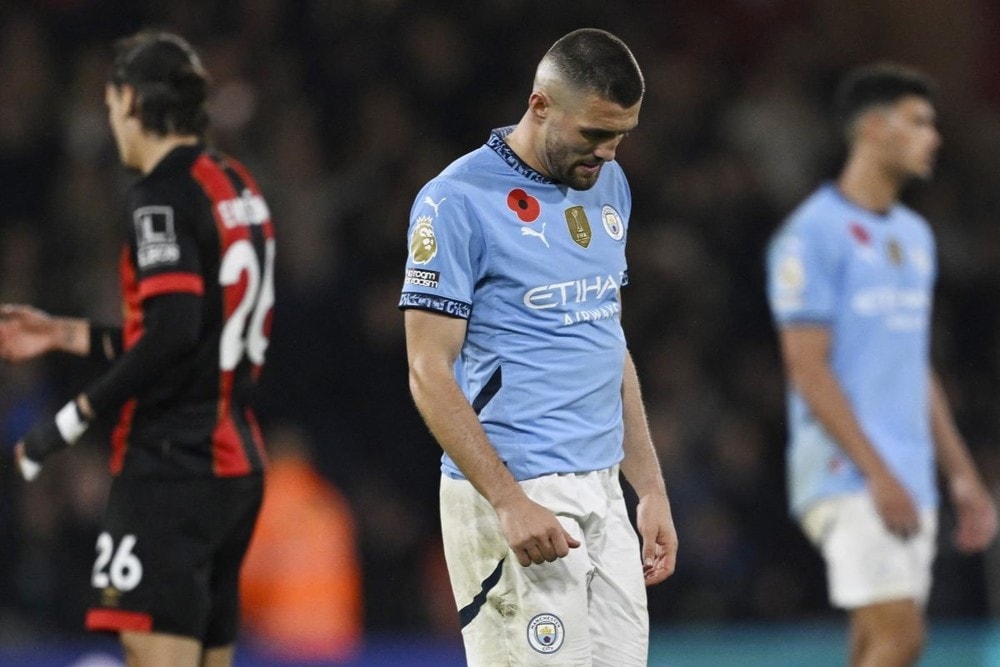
[(528, 231), (434, 205)]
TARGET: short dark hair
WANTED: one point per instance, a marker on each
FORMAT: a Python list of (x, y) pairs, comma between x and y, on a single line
[(170, 82), (595, 60), (877, 85)]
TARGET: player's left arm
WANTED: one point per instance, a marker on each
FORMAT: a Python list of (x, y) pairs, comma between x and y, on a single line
[(171, 287), (26, 333), (641, 468), (172, 324), (974, 507)]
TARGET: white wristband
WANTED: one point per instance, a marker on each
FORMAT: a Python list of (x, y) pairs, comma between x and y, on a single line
[(69, 423), (29, 469)]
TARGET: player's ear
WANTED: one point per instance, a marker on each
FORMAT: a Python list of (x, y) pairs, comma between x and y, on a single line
[(539, 104), (873, 125), (130, 99)]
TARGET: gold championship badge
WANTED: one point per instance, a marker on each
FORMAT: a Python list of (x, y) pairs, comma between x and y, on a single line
[(895, 252), (579, 226)]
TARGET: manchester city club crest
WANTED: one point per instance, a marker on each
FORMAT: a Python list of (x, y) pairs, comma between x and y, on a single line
[(545, 633), (612, 222)]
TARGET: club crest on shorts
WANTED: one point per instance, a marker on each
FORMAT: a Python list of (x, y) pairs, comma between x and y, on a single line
[(545, 633)]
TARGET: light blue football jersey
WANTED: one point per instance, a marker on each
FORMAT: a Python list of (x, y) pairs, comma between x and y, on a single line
[(869, 277), (536, 268)]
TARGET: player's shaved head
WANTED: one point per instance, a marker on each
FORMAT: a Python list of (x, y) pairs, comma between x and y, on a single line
[(590, 60)]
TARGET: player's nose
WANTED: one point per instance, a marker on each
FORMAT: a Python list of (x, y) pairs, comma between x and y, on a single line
[(606, 150)]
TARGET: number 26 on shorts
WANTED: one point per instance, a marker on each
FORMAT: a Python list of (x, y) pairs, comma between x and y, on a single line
[(119, 567)]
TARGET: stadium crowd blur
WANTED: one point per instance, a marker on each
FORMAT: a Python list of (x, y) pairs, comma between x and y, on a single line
[(345, 107)]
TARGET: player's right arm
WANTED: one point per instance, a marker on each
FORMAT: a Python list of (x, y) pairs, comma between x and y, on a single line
[(805, 350), (433, 342)]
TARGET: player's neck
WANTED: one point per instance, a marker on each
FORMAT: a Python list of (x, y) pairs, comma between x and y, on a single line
[(868, 184), (522, 143), (153, 148)]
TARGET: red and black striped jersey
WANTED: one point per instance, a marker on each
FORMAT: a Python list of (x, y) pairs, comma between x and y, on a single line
[(197, 278)]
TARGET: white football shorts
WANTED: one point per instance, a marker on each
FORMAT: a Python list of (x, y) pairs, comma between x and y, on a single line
[(865, 563), (588, 608)]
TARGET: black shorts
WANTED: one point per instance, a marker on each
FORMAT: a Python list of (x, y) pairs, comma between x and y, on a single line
[(169, 558)]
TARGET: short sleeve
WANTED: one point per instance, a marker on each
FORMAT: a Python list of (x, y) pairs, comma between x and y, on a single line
[(444, 253), (802, 275)]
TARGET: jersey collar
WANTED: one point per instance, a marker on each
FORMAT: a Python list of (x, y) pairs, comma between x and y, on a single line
[(880, 216), (179, 158), (499, 146)]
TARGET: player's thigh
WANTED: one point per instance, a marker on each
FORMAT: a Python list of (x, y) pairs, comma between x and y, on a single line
[(150, 572), (887, 633), (156, 557), (619, 619), (890, 619), (150, 649), (238, 503), (511, 614), (866, 564), (219, 656)]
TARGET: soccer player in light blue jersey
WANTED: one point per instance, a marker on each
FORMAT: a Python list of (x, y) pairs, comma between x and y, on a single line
[(850, 281), (519, 366)]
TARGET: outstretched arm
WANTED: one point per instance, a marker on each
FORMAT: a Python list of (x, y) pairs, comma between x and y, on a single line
[(172, 324), (975, 510), (433, 343), (27, 332), (642, 470)]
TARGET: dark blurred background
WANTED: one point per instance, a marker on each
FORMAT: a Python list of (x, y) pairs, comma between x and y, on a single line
[(344, 108)]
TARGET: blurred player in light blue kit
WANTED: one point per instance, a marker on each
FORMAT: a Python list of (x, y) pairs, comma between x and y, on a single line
[(519, 366), (850, 281)]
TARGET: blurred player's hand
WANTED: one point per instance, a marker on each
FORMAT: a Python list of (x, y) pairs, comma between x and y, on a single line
[(976, 514), (25, 332), (534, 532), (659, 538), (29, 469), (894, 505)]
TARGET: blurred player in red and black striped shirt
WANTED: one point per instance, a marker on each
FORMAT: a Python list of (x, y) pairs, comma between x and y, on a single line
[(187, 455)]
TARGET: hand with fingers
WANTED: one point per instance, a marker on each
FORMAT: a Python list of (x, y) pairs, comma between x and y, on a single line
[(534, 533), (50, 436), (659, 538), (894, 505), (976, 514), (29, 469), (25, 332)]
